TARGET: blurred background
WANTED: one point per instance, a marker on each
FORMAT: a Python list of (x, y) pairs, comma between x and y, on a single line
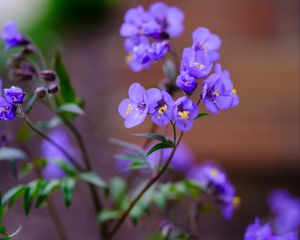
[(257, 142)]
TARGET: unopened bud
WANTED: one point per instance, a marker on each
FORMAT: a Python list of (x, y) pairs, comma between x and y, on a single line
[(48, 75), (53, 87), (40, 92), (29, 49)]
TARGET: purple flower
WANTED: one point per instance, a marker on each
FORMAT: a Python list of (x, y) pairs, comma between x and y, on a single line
[(14, 94), (186, 83), (256, 231), (170, 19), (205, 41), (141, 54), (196, 63), (213, 180), (134, 109), (218, 92), (160, 49), (286, 209), (182, 160), (160, 106), (138, 22), (7, 109), (11, 36), (51, 153), (185, 111)]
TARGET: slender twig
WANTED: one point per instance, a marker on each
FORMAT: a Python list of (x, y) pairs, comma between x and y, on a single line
[(199, 100), (61, 231), (93, 190), (141, 193), (50, 140), (56, 220)]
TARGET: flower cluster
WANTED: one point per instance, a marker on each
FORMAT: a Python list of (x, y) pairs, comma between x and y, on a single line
[(213, 180), (11, 96), (286, 223), (197, 62), (160, 105), (159, 23), (256, 231)]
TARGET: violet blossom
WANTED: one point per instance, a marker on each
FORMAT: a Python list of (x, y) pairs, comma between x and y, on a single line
[(218, 92), (185, 111), (11, 36), (14, 94), (134, 109), (186, 83), (160, 106)]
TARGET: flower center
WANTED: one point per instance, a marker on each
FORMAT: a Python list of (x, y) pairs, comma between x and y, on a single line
[(234, 91), (200, 66), (216, 93), (214, 172), (184, 114), (129, 109)]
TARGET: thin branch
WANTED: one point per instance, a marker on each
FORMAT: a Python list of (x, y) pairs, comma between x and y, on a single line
[(144, 190), (50, 140)]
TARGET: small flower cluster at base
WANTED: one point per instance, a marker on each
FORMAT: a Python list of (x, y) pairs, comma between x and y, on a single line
[(256, 231), (11, 96), (213, 180), (160, 105), (160, 23)]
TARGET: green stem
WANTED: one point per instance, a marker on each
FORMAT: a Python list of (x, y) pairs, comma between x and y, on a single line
[(93, 190), (144, 190), (51, 141)]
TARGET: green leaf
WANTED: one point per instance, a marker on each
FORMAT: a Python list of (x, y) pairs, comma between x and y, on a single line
[(200, 115), (159, 146), (46, 188), (68, 187), (108, 214), (139, 165), (54, 122), (30, 192), (130, 157), (13, 194), (15, 233), (8, 153), (71, 108), (139, 151), (30, 103), (67, 93), (24, 133), (93, 178), (69, 169), (118, 190), (153, 136)]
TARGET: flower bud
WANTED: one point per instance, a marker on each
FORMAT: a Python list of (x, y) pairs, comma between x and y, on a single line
[(40, 92), (186, 83), (48, 75), (53, 87)]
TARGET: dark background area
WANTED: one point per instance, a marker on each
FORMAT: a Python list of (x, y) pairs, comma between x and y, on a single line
[(257, 142)]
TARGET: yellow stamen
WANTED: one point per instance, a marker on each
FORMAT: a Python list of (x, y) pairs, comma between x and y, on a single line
[(234, 91), (184, 115), (216, 93), (199, 65), (129, 109), (214, 171), (162, 109), (236, 201), (128, 58)]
